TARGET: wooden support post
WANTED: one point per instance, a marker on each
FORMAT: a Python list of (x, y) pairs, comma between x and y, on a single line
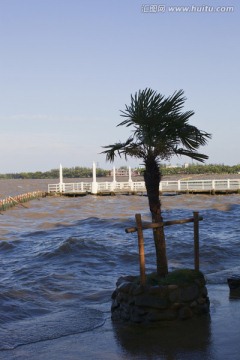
[(196, 240), (17, 202), (141, 249)]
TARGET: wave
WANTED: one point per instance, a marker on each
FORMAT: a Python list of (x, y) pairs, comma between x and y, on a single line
[(63, 261), (220, 277), (6, 245), (76, 246), (49, 327), (84, 226)]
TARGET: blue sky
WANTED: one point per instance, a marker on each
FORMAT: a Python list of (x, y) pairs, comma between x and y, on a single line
[(69, 66)]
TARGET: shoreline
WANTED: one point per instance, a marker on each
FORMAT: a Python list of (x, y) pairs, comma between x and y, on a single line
[(210, 338)]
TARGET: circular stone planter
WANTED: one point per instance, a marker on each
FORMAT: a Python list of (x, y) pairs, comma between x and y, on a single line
[(181, 295)]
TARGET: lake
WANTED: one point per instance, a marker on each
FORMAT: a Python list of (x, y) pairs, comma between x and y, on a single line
[(61, 258)]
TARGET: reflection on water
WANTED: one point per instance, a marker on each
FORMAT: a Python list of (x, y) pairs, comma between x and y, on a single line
[(175, 340)]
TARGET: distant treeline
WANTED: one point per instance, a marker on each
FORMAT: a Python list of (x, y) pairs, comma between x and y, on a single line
[(83, 172), (201, 169), (74, 172)]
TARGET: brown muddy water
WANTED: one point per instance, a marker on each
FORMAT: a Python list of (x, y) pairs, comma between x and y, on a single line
[(61, 257)]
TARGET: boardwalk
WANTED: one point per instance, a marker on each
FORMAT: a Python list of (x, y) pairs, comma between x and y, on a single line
[(138, 187), (208, 186)]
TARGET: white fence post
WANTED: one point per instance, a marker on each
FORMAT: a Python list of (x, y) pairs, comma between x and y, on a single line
[(114, 182), (60, 179), (114, 174), (160, 186), (94, 182), (228, 184), (129, 174), (213, 185), (179, 185), (130, 178)]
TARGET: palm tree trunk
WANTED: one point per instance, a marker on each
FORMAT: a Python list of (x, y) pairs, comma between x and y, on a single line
[(152, 178)]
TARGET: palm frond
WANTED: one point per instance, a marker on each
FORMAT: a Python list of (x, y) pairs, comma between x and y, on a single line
[(193, 155), (160, 128), (128, 148)]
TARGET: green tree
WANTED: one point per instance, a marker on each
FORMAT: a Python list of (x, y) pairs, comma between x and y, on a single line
[(160, 129)]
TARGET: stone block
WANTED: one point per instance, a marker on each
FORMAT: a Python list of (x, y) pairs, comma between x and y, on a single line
[(201, 309), (125, 287), (151, 301), (160, 291), (131, 300), (189, 293), (193, 304), (115, 304), (122, 297), (203, 291), (172, 287), (176, 306), (234, 282), (185, 313), (125, 313), (201, 300), (174, 296), (114, 295), (137, 314), (140, 289), (200, 281)]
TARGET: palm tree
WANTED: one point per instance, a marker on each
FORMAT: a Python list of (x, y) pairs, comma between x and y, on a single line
[(160, 130)]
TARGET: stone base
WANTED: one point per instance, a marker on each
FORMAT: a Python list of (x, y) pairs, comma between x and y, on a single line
[(160, 300), (234, 286)]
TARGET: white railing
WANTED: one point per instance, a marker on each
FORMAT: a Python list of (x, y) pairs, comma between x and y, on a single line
[(76, 187), (165, 186), (54, 188)]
